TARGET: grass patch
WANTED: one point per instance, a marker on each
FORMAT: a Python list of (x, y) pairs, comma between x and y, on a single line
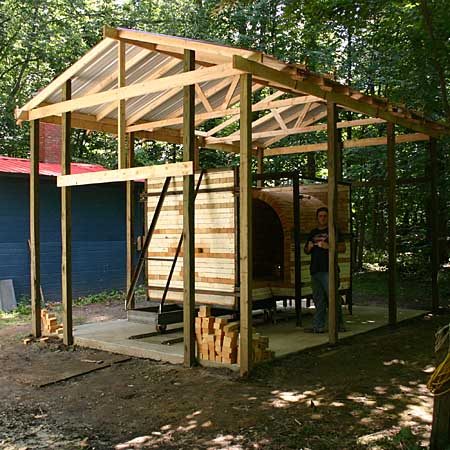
[(101, 297), (22, 314)]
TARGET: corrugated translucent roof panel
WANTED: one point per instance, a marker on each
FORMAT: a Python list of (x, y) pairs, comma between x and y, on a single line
[(152, 56)]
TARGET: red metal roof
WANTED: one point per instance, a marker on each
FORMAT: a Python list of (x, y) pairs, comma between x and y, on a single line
[(20, 165)]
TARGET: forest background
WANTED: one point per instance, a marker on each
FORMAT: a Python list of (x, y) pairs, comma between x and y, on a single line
[(398, 49)]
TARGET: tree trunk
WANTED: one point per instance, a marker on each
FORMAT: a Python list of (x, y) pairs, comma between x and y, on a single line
[(310, 165), (426, 13)]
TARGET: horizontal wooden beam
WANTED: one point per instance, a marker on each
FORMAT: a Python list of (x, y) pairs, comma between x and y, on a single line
[(260, 106), (179, 120), (106, 125), (368, 142), (131, 174), (231, 120), (339, 94), (71, 72), (160, 84), (300, 130), (158, 73)]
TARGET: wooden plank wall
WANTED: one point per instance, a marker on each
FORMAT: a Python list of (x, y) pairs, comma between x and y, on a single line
[(214, 239)]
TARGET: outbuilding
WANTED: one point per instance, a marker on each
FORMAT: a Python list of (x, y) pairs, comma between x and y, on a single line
[(99, 232)]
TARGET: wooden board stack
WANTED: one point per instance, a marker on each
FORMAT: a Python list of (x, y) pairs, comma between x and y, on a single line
[(217, 340), (50, 323)]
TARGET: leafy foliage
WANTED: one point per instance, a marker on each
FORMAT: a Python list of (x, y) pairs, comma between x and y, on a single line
[(399, 49)]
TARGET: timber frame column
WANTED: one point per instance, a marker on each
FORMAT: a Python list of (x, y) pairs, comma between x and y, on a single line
[(188, 216), (121, 107), (260, 166), (66, 222), (392, 229), (245, 224), (434, 214), (130, 219), (35, 253), (333, 163)]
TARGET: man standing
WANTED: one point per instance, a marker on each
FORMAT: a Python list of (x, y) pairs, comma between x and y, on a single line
[(317, 246)]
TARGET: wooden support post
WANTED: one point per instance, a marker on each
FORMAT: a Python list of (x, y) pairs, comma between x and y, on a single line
[(339, 157), (333, 158), (392, 231), (121, 115), (260, 166), (297, 250), (66, 222), (245, 224), (434, 215), (188, 216), (35, 230), (130, 219), (196, 156), (144, 232)]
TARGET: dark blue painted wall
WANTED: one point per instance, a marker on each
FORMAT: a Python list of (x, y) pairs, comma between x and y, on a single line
[(98, 236)]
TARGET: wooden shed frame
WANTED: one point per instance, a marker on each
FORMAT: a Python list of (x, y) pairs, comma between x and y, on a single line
[(135, 84)]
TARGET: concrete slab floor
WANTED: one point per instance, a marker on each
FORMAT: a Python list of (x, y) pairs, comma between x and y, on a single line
[(284, 337)]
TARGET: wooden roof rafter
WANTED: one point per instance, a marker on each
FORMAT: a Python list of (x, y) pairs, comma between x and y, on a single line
[(270, 128), (127, 92), (153, 93), (306, 82), (231, 120), (157, 74)]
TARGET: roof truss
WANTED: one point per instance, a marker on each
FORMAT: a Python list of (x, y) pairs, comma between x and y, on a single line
[(152, 82)]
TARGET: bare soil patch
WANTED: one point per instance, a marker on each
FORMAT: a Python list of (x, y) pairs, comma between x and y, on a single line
[(368, 392)]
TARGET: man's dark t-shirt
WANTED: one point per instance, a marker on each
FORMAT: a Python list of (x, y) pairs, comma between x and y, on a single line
[(319, 256)]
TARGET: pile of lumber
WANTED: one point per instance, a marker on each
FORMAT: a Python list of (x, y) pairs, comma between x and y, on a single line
[(218, 340), (50, 323)]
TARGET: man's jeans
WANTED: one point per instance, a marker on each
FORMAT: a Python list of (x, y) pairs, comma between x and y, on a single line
[(320, 297)]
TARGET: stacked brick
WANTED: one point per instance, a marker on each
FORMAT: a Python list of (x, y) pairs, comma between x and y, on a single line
[(218, 340), (50, 323), (261, 351)]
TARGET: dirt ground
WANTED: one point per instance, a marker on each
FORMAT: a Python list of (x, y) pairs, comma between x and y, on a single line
[(367, 393)]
